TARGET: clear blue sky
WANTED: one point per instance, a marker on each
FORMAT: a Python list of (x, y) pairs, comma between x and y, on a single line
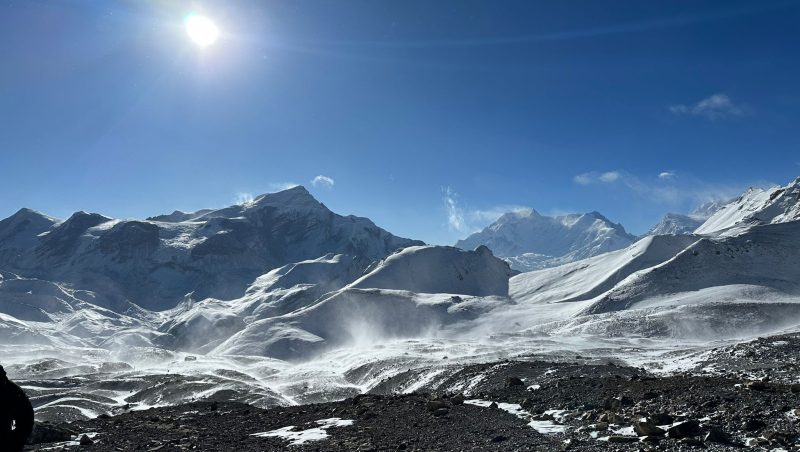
[(429, 116)]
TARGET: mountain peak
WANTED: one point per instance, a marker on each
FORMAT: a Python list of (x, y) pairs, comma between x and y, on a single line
[(757, 206), (293, 196), (548, 240), (519, 214)]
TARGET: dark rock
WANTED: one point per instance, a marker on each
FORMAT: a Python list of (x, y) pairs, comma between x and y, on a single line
[(499, 439), (782, 438), (752, 425), (757, 386), (434, 405), (622, 439), (647, 429), (86, 441), (45, 432), (693, 442), (660, 419), (514, 381), (441, 412), (717, 435), (684, 429)]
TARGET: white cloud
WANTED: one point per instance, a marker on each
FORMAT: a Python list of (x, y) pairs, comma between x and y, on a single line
[(607, 177), (716, 106), (610, 176), (679, 193), (322, 181)]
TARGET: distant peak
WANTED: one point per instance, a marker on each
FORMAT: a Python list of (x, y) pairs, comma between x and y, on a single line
[(82, 217), (527, 212), (28, 213), (598, 215), (296, 196)]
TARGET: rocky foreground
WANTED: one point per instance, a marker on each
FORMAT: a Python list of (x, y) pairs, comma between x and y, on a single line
[(743, 396)]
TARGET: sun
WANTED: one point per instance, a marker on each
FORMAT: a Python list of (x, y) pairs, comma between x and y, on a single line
[(201, 30)]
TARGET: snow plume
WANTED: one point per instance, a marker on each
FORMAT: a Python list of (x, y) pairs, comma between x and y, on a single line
[(455, 215), (243, 198), (322, 181), (461, 219), (281, 186), (717, 106)]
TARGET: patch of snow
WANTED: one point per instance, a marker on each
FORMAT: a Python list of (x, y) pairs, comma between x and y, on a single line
[(303, 436)]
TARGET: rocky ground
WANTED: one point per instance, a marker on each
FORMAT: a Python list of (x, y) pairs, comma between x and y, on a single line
[(743, 396)]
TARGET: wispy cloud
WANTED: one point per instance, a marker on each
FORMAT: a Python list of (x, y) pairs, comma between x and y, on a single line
[(583, 179), (322, 181), (455, 215), (716, 106), (666, 188), (592, 177), (610, 176), (465, 220)]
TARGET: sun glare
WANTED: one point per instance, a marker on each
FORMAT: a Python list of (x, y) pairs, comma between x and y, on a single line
[(201, 30)]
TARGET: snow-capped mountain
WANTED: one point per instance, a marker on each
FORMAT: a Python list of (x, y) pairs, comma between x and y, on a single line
[(754, 207), (315, 306), (531, 241), (213, 253), (675, 224)]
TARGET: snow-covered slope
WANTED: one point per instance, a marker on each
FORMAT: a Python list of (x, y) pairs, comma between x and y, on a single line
[(756, 206), (303, 308), (215, 253), (589, 278), (412, 293), (763, 256), (20, 232), (531, 241), (437, 269)]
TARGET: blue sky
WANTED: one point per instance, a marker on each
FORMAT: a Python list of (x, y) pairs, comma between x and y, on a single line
[(427, 117)]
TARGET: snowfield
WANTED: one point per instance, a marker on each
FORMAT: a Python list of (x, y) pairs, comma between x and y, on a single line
[(281, 301)]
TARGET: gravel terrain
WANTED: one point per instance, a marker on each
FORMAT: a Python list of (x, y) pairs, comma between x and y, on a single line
[(741, 396)]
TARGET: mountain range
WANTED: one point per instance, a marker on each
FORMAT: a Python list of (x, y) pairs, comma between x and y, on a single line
[(282, 279)]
